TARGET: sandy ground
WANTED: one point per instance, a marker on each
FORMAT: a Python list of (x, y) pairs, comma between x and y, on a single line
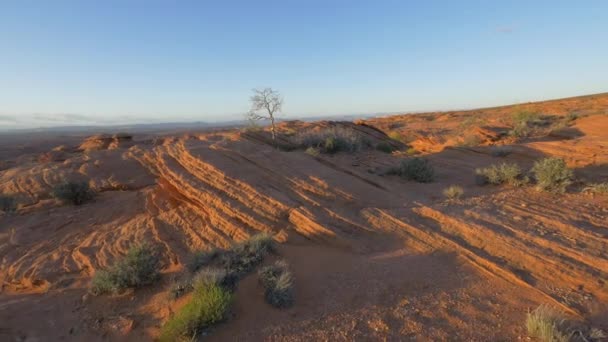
[(375, 257)]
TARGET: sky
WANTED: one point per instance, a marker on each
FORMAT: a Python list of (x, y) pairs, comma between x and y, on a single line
[(109, 62)]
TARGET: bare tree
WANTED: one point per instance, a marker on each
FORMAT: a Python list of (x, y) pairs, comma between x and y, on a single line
[(265, 103)]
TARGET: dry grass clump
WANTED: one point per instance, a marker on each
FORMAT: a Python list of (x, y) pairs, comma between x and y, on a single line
[(552, 175), (597, 188), (547, 325), (244, 256), (239, 258), (75, 193), (8, 204), (278, 284), (209, 305), (332, 140), (139, 267), (417, 169), (505, 173), (453, 192)]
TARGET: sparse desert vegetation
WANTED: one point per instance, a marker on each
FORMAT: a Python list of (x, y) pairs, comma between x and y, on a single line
[(277, 281), (332, 140), (453, 192), (523, 123), (75, 193), (244, 256), (547, 325), (416, 169), (552, 175), (504, 173), (209, 305), (597, 188), (360, 244), (203, 258), (138, 268)]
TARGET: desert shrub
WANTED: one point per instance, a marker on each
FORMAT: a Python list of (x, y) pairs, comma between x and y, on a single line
[(333, 139), (525, 117), (209, 305), (139, 267), (552, 174), (202, 258), (244, 256), (75, 193), (453, 192), (216, 276), (522, 120), (520, 130), (546, 324), (597, 188), (505, 173), (278, 284), (385, 147), (500, 151), (8, 204), (571, 117), (417, 169)]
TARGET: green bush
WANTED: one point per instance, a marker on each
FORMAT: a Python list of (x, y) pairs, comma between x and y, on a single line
[(209, 305), (278, 284), (546, 324), (8, 204), (417, 169), (385, 147), (139, 267), (453, 192), (75, 193), (504, 173), (552, 175)]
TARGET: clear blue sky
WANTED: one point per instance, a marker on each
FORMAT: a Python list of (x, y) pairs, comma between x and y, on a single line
[(87, 62)]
